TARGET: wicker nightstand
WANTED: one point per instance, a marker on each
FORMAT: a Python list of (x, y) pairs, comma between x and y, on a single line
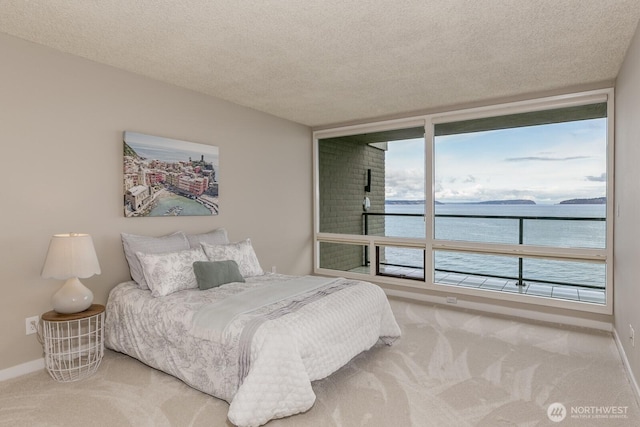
[(73, 343)]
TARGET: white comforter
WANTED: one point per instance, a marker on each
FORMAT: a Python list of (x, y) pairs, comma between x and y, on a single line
[(270, 376)]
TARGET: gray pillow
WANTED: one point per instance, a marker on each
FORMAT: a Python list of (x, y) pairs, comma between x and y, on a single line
[(149, 245), (213, 237), (210, 274)]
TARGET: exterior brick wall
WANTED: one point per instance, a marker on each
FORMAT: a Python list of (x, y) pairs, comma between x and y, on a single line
[(343, 165)]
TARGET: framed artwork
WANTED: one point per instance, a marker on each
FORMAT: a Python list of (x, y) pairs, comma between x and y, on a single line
[(169, 177)]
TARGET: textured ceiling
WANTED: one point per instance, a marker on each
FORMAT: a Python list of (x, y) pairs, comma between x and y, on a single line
[(320, 62)]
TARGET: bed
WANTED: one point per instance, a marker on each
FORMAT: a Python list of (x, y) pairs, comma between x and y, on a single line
[(257, 342)]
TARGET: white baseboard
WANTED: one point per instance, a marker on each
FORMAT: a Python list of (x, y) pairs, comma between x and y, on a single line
[(23, 369), (505, 311), (627, 366)]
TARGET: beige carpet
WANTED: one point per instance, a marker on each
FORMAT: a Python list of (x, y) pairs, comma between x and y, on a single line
[(451, 368)]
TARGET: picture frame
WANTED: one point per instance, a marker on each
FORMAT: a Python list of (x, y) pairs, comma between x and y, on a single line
[(169, 177)]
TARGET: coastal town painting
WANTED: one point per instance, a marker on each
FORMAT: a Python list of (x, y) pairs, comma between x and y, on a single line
[(169, 177)]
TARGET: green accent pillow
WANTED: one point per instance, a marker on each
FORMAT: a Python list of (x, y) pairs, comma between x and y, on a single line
[(210, 274)]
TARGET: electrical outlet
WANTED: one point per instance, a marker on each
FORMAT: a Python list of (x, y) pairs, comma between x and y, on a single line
[(452, 300), (273, 268), (31, 324), (632, 334)]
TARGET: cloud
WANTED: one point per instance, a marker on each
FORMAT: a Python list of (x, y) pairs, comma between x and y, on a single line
[(601, 178), (405, 184)]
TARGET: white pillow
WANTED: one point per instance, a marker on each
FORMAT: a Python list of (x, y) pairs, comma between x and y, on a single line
[(167, 273), (241, 252), (133, 244)]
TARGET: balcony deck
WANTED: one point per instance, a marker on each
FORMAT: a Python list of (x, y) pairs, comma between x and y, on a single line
[(572, 293)]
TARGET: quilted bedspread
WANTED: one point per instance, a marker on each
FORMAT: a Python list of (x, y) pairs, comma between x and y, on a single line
[(264, 360)]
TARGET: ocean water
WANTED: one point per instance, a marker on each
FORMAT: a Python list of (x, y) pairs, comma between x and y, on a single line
[(187, 206), (555, 233)]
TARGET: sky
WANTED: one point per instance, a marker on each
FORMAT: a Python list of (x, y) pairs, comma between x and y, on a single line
[(170, 150), (545, 163)]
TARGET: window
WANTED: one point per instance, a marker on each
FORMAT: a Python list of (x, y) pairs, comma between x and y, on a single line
[(372, 184), (535, 179), (507, 202)]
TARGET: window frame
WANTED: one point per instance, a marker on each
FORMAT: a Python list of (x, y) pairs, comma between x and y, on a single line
[(429, 244)]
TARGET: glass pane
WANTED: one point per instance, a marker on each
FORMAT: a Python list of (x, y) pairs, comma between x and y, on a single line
[(404, 189), (569, 226), (568, 280), (395, 261), (551, 174), (344, 257), (573, 273), (364, 177), (453, 267), (569, 233), (405, 220), (457, 223)]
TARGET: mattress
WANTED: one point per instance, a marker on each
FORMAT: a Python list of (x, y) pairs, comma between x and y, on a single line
[(262, 358)]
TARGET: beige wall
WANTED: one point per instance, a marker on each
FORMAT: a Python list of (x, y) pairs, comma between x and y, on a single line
[(61, 169), (627, 198)]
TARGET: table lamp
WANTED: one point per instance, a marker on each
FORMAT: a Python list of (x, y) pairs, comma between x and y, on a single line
[(71, 256)]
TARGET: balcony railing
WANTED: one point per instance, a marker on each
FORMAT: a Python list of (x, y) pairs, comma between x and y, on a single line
[(382, 267)]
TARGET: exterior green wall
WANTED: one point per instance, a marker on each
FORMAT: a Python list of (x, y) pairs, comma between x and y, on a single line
[(343, 165)]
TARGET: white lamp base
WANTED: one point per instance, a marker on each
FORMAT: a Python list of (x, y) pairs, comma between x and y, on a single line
[(73, 297)]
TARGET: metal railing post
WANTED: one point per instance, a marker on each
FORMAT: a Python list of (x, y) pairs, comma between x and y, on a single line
[(520, 241), (366, 233)]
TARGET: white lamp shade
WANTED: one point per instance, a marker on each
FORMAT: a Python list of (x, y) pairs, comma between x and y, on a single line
[(71, 255)]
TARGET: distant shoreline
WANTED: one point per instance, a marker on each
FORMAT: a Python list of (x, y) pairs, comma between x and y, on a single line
[(592, 201)]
